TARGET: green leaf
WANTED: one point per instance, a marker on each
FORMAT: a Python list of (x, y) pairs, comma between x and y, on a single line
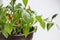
[(0, 7), (26, 16), (16, 16), (14, 32), (12, 2), (12, 5), (49, 25), (54, 16), (5, 33), (42, 23), (31, 20), (26, 31), (46, 19), (25, 2), (35, 29), (8, 28), (18, 5)]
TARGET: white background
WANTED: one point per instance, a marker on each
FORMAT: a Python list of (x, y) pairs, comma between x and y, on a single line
[(46, 8)]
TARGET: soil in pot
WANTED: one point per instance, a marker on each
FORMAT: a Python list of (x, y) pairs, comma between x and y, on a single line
[(19, 36)]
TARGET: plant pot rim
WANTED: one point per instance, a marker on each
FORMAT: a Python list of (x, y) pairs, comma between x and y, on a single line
[(20, 33), (23, 34)]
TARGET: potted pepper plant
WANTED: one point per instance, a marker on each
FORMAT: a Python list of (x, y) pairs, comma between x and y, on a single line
[(16, 21)]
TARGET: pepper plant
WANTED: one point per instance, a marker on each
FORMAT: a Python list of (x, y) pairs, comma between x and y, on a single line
[(13, 18)]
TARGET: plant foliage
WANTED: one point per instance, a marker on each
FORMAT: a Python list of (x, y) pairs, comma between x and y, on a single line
[(13, 18)]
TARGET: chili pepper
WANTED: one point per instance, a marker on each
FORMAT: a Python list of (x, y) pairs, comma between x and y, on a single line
[(17, 23), (28, 7), (10, 16)]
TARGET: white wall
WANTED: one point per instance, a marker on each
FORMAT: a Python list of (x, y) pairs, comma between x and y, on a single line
[(0, 2), (46, 8)]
